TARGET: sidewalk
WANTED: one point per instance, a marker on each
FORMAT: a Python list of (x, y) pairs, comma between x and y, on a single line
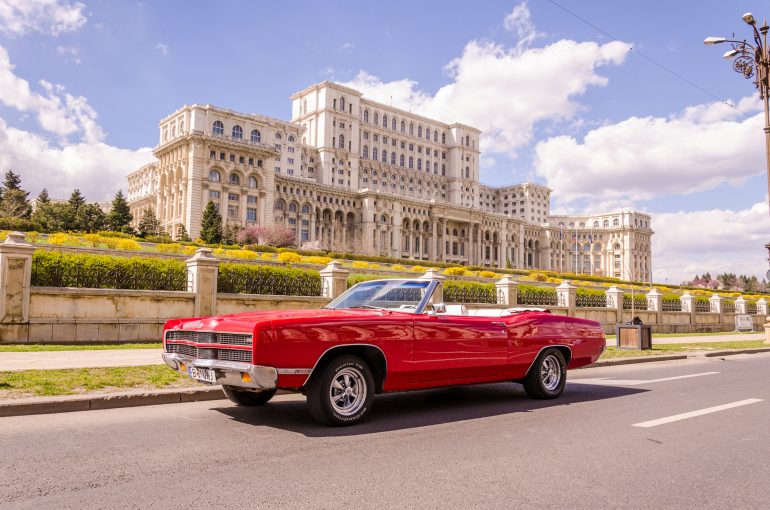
[(663, 340)]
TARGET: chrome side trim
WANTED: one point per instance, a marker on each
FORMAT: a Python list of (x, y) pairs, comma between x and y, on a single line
[(347, 345), (549, 347), (294, 371)]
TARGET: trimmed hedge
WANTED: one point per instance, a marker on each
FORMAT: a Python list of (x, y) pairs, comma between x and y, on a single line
[(52, 269), (269, 280)]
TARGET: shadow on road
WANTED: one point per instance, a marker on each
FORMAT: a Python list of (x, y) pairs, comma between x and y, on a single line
[(422, 408)]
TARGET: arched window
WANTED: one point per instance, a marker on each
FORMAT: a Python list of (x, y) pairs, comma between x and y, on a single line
[(403, 126), (419, 131), (376, 119), (467, 172), (384, 156), (411, 129), (293, 207), (374, 153), (598, 247), (256, 136), (342, 141), (435, 136), (427, 134), (411, 162), (291, 138), (467, 140), (401, 160), (393, 159), (234, 179), (218, 129), (342, 104), (606, 224), (214, 176), (365, 152), (596, 224), (616, 247), (419, 164), (252, 182), (443, 138), (385, 121), (435, 168), (366, 116), (279, 205), (278, 136), (393, 124), (237, 132), (305, 209)]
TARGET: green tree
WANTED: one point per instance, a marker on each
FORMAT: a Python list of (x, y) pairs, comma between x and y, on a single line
[(90, 218), (120, 215), (14, 201), (182, 235), (211, 224), (149, 226)]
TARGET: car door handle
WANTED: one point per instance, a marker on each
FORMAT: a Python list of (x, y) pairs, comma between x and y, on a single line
[(498, 323)]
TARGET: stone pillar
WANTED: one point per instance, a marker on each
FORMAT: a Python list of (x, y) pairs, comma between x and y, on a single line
[(334, 280), (688, 305), (202, 274), (15, 278), (762, 307), (741, 307), (655, 304), (615, 301), (567, 297), (716, 302), (507, 291), (438, 294)]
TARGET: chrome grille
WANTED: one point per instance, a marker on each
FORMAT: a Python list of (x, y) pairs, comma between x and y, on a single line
[(214, 338), (222, 354)]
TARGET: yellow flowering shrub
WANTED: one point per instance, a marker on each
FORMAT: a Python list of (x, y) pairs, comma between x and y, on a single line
[(397, 267), (32, 236), (168, 248), (288, 256), (267, 256), (419, 269), (316, 260), (127, 244), (92, 240), (60, 238), (488, 274), (455, 271), (359, 264)]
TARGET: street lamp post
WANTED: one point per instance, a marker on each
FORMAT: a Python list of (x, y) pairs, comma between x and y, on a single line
[(753, 61)]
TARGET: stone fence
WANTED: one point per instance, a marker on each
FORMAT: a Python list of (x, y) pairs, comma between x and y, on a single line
[(53, 314)]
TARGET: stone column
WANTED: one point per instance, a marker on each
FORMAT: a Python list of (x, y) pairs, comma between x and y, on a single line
[(655, 304), (716, 302), (762, 307), (615, 301), (688, 305), (507, 291), (334, 280), (15, 278), (202, 274), (438, 294), (741, 307), (567, 297)]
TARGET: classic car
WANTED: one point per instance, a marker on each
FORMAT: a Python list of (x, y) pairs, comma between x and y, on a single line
[(379, 336)]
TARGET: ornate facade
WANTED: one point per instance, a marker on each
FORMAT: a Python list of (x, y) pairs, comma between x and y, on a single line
[(350, 174)]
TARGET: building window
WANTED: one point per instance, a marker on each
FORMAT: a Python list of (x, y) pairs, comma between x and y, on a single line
[(233, 197), (443, 138), (385, 121), (213, 195), (342, 104), (342, 141), (213, 154), (374, 153), (252, 182), (232, 158), (214, 176), (237, 132), (256, 136), (393, 159), (251, 214), (419, 131), (218, 129), (250, 199), (366, 116), (232, 212), (419, 164), (235, 179), (401, 160), (365, 152)]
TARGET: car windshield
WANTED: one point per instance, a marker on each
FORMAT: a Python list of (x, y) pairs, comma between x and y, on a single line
[(401, 295)]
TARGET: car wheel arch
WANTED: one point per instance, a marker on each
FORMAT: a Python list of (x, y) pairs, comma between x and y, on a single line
[(565, 350), (371, 354)]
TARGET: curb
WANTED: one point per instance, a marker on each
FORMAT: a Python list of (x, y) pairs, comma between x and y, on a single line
[(673, 357)]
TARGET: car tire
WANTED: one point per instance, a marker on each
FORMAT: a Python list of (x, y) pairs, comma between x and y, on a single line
[(248, 398), (548, 375), (342, 393)]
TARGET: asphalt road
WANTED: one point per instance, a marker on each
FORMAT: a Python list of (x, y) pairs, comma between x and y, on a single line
[(616, 439)]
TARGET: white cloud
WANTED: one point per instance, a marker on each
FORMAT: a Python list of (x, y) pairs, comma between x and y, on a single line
[(504, 91), (162, 48), (57, 111), (20, 17), (519, 21), (347, 47), (70, 54), (644, 157), (718, 241)]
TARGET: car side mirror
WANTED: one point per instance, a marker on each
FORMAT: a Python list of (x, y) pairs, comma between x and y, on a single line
[(437, 308)]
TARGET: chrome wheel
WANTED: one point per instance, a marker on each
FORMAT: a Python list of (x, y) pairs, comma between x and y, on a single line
[(347, 393), (550, 372)]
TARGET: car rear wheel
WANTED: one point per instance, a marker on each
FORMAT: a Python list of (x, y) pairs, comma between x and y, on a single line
[(342, 393), (248, 398), (548, 375)]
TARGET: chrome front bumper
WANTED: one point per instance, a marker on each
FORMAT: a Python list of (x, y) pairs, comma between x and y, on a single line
[(227, 372)]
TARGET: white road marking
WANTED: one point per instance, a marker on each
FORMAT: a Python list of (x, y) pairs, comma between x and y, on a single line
[(693, 414), (604, 381)]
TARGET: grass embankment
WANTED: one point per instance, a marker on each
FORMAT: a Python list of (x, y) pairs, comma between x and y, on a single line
[(657, 350), (718, 333), (96, 347), (85, 380)]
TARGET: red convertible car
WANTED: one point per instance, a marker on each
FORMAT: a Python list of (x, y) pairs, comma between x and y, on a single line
[(379, 336)]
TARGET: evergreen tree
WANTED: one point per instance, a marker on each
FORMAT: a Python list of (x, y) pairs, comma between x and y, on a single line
[(90, 218), (149, 226), (211, 224), (182, 235), (120, 215), (14, 202)]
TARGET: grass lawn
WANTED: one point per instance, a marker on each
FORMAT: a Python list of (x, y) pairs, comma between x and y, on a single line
[(614, 352), (84, 380), (100, 347)]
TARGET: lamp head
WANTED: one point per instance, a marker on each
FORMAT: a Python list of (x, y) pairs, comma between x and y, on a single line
[(749, 18), (713, 40)]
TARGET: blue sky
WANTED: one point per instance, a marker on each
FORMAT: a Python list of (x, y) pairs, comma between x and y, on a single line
[(613, 131)]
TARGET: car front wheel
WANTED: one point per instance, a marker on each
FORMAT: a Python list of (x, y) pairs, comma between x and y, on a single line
[(248, 398), (548, 375), (342, 393)]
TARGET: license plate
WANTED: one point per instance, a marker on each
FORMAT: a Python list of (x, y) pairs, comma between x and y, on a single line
[(203, 374)]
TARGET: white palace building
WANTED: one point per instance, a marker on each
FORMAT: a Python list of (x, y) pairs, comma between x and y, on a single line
[(350, 174)]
